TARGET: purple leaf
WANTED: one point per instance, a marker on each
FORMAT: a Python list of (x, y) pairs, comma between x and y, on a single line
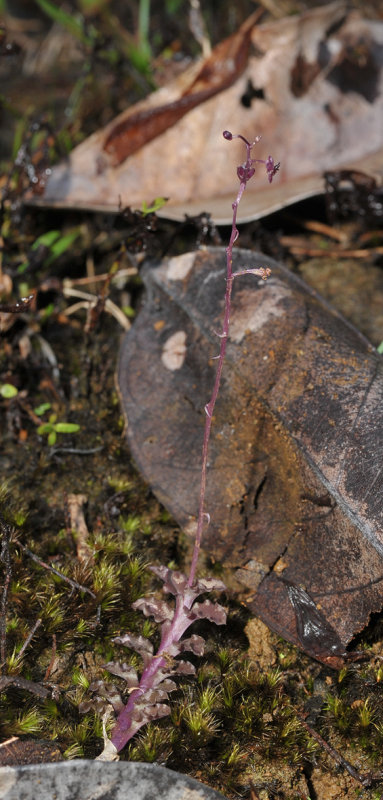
[(168, 686), (150, 713), (161, 675), (124, 671), (140, 644), (151, 697), (161, 571), (208, 610), (108, 692), (184, 668), (195, 644), (209, 585), (175, 581), (95, 704), (151, 607)]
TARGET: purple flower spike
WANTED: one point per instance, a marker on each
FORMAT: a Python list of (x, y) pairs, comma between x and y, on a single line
[(148, 695)]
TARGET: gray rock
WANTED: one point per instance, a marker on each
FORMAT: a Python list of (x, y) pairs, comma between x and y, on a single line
[(91, 780)]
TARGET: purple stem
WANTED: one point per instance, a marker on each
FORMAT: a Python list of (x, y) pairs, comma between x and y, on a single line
[(126, 726), (245, 173), (124, 730)]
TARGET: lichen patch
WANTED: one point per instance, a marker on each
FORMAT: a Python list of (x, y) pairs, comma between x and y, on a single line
[(253, 311), (174, 351), (180, 266)]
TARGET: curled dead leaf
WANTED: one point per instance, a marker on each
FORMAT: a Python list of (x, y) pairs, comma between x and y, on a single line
[(295, 483), (313, 90)]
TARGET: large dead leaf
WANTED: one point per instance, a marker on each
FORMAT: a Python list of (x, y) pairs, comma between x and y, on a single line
[(295, 479), (313, 90)]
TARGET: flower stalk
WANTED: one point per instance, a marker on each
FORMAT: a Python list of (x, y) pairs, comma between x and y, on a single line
[(148, 694)]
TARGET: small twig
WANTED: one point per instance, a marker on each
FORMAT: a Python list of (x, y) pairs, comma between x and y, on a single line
[(326, 230), (127, 272), (78, 526), (18, 307), (9, 741), (23, 683), (77, 451), (366, 780), (299, 247), (52, 661), (6, 559), (87, 298), (29, 639), (253, 792), (43, 564)]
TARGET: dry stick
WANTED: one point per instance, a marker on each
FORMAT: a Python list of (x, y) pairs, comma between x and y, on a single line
[(39, 561), (244, 172), (6, 559), (29, 639), (23, 683), (53, 656), (366, 779)]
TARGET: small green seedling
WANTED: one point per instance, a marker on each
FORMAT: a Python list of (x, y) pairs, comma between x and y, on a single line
[(52, 428), (41, 409), (154, 206), (54, 243), (7, 390)]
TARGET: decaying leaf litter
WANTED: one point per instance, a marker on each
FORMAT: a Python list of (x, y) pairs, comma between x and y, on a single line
[(312, 89), (345, 715)]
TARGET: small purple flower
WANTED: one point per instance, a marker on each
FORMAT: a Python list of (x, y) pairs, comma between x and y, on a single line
[(245, 172), (271, 168)]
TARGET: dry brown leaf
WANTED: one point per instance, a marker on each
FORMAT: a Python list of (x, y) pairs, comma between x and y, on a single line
[(313, 90), (295, 482)]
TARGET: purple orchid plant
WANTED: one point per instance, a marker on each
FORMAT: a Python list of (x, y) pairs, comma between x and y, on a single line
[(149, 694)]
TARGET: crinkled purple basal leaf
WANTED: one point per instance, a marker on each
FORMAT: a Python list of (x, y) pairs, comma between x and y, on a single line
[(183, 668), (151, 696), (96, 704), (161, 674), (196, 644), (140, 644), (109, 692), (208, 585), (161, 571), (175, 581), (124, 671), (208, 610), (151, 607), (168, 686), (145, 702), (144, 715)]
